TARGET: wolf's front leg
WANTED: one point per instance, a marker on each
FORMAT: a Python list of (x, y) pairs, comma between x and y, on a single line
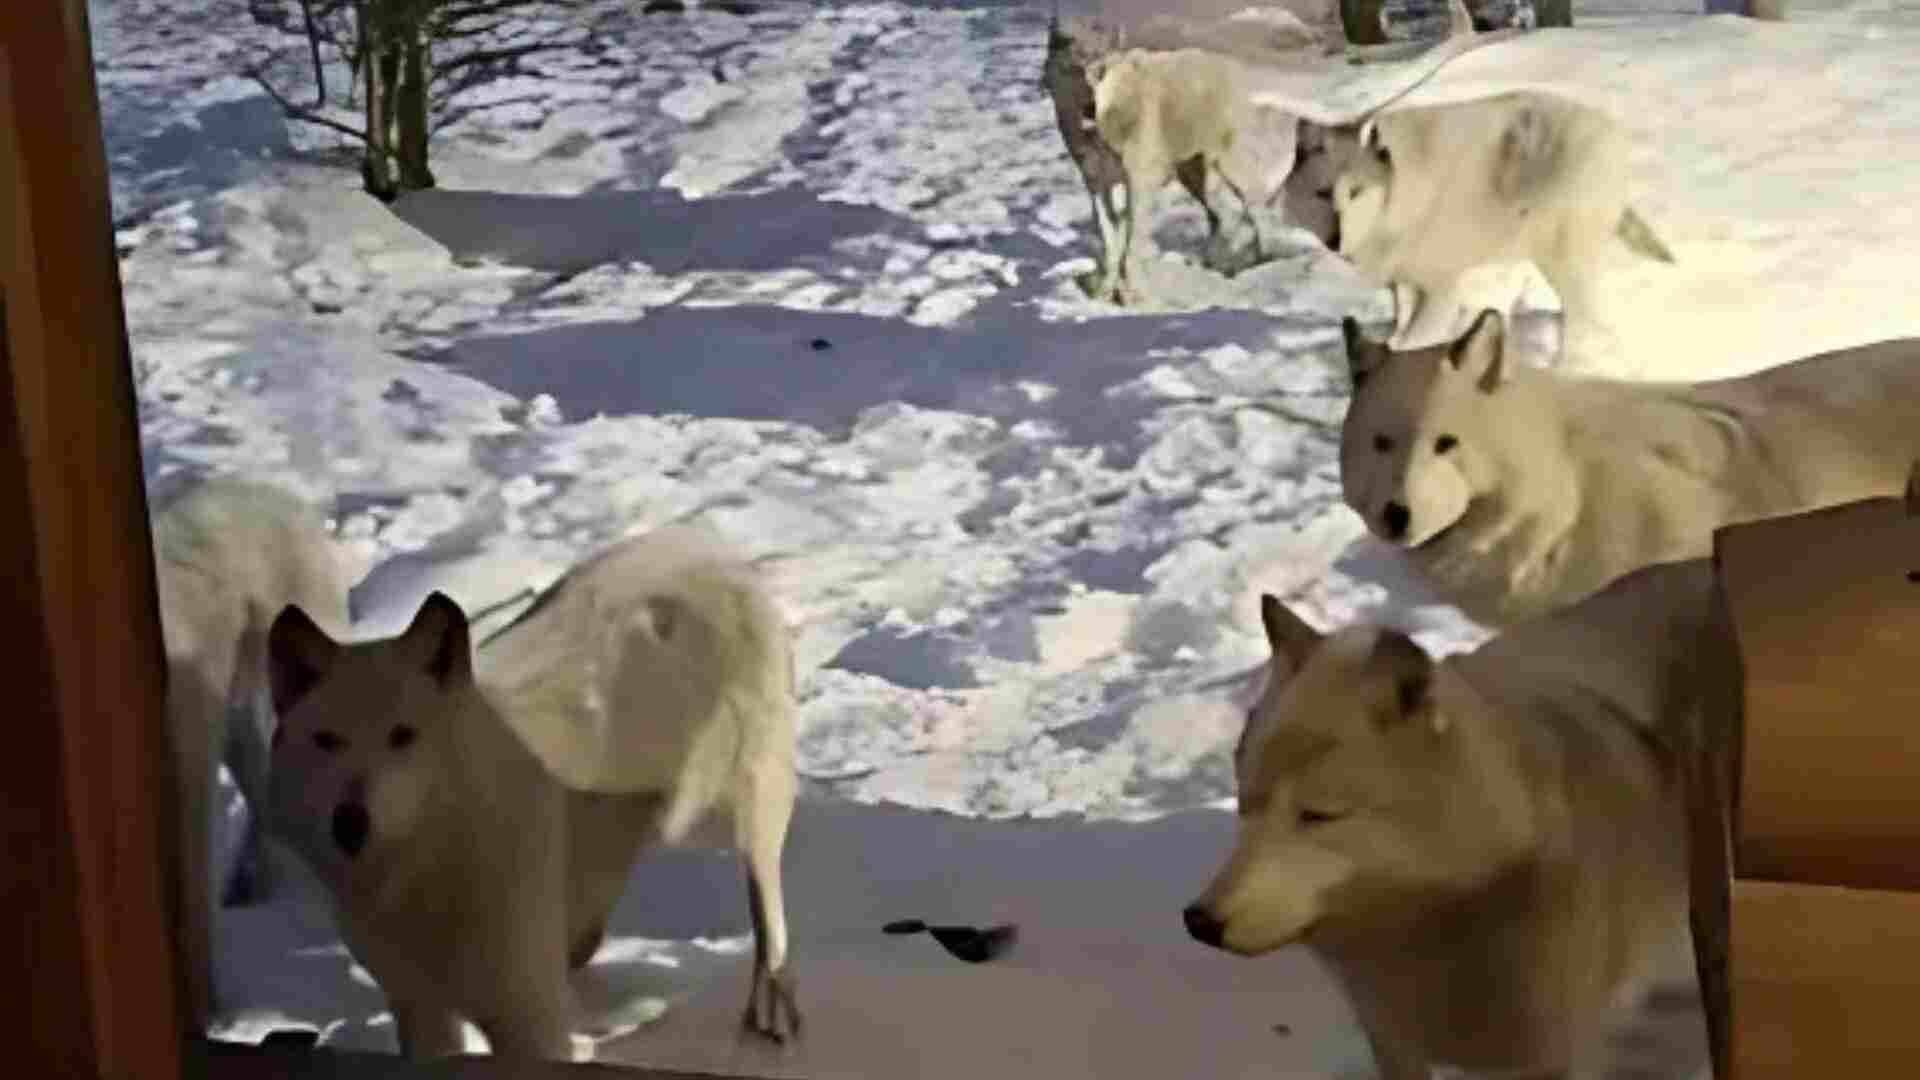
[(248, 754), (426, 1032), (196, 721), (1101, 284), (539, 1026), (763, 814)]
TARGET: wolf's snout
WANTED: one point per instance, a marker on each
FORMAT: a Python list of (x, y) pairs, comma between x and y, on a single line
[(1396, 518), (1205, 929), (351, 827)]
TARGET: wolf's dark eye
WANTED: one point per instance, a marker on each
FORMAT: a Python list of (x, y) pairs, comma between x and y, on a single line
[(328, 741), (1309, 816), (1324, 193), (1383, 443), (1444, 443), (401, 736)]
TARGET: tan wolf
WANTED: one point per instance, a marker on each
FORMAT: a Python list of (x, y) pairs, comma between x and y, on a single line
[(1488, 852)]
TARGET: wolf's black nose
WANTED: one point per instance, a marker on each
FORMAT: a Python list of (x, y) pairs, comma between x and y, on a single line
[(1205, 929), (351, 825), (1396, 518)]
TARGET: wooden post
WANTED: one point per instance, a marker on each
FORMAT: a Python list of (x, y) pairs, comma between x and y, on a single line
[(82, 767)]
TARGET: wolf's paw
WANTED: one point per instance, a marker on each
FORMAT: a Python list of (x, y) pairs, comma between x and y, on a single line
[(771, 1012)]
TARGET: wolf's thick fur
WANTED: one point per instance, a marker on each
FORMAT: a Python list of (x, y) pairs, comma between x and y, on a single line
[(228, 555), (476, 817), (1426, 194), (1518, 491), (1185, 115), (1488, 852)]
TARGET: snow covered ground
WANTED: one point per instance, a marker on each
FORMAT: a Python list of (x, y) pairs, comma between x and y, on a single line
[(825, 304), (805, 273)]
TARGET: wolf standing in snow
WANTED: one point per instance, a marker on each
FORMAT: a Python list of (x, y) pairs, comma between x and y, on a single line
[(477, 815), (1166, 102), (228, 555), (1426, 194), (1517, 491), (1488, 852)]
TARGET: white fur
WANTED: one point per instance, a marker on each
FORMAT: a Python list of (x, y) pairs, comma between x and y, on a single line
[(1487, 852), (1185, 115), (1425, 195), (228, 555), (1553, 485), (649, 689)]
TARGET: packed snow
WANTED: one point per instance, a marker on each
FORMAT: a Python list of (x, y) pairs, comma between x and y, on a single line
[(805, 272)]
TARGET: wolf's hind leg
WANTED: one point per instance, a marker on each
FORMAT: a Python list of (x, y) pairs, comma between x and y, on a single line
[(762, 815)]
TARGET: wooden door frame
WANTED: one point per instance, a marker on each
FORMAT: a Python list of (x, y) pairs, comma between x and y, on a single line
[(83, 771)]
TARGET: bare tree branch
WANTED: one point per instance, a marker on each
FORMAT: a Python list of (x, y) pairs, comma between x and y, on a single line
[(300, 112), (491, 57)]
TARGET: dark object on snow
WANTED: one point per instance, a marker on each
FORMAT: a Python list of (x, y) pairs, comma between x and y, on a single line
[(821, 344), (667, 7), (964, 942), (399, 392), (290, 1039), (1282, 1029)]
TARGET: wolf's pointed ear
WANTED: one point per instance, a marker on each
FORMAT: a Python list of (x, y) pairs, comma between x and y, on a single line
[(298, 656), (438, 642), (1482, 351), (1291, 638), (1364, 356), (1412, 671)]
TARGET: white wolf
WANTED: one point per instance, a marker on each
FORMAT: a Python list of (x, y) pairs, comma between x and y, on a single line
[(1185, 115), (1425, 195), (228, 555), (1517, 491), (1488, 852), (477, 816)]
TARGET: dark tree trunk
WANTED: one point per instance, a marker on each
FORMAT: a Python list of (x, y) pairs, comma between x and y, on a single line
[(410, 106), (382, 64), (1360, 19)]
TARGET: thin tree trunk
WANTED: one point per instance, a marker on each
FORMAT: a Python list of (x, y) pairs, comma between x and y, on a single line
[(377, 168), (313, 44), (411, 107)]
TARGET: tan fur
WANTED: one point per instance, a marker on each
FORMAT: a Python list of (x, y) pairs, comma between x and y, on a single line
[(1427, 194), (1556, 484), (649, 689), (228, 555), (1497, 864), (1183, 115)]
